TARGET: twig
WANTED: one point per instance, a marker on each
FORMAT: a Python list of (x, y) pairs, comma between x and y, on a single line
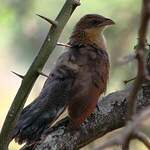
[(143, 138), (140, 56), (32, 74), (62, 44), (127, 81), (137, 84), (141, 68)]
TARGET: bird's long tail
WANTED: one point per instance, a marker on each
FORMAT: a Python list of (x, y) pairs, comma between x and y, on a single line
[(32, 123)]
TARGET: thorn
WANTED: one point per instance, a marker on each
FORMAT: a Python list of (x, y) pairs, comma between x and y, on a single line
[(127, 81), (43, 74), (53, 22), (77, 2), (21, 76), (62, 44)]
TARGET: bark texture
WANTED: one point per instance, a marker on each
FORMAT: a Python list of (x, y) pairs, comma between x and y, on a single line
[(111, 114)]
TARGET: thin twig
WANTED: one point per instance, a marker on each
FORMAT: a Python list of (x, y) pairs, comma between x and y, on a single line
[(140, 57), (141, 68), (127, 81), (137, 84), (63, 44), (143, 138)]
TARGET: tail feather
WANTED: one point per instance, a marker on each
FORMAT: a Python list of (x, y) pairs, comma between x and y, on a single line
[(30, 128), (43, 111)]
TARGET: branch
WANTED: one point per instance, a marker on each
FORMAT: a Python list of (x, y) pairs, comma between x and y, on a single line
[(140, 51), (32, 74), (120, 138), (111, 115), (140, 57)]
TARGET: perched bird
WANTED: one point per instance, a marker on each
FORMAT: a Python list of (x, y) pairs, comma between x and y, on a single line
[(76, 82)]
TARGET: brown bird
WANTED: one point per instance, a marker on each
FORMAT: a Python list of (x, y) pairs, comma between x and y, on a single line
[(78, 79)]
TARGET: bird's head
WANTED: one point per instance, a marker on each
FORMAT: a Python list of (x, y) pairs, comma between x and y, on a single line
[(93, 21), (89, 29)]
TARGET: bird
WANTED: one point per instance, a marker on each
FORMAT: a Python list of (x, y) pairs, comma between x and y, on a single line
[(76, 82)]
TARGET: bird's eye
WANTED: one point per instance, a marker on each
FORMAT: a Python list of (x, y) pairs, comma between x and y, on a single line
[(95, 22)]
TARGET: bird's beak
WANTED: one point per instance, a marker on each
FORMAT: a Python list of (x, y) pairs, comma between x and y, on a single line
[(107, 22)]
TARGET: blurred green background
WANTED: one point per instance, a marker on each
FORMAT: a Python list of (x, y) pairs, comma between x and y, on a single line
[(22, 34)]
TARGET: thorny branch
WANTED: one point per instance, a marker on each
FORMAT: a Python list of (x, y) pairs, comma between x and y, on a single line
[(33, 72)]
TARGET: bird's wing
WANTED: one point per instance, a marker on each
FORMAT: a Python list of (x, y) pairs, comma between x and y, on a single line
[(47, 107), (91, 84)]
